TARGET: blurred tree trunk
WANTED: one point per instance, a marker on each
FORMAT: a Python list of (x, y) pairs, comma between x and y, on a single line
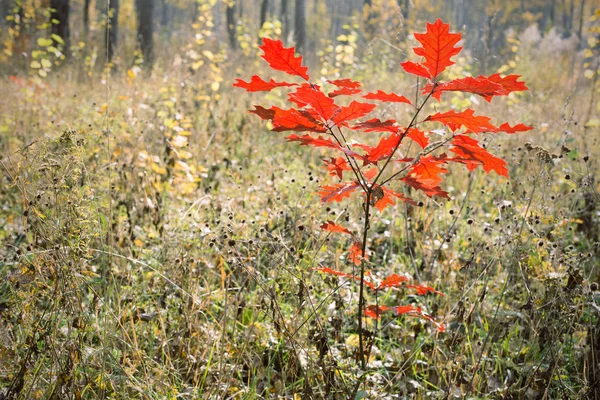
[(568, 11), (300, 25), (264, 6), (284, 20), (86, 17), (164, 15), (145, 11), (113, 28), (231, 31), (59, 21), (580, 27), (406, 9)]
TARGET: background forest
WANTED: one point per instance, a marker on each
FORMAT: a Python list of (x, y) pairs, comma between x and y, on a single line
[(158, 241)]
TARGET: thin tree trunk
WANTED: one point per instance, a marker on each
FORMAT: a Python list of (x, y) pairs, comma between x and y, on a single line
[(145, 11), (284, 19), (113, 28), (59, 21), (86, 17), (231, 31), (300, 25), (264, 6), (580, 27), (164, 14)]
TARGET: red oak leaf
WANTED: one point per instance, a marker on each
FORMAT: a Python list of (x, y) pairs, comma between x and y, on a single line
[(353, 111), (375, 311), (424, 290), (355, 255), (337, 192), (333, 227), (386, 97), (263, 113), (336, 166), (388, 199), (509, 83), (393, 280), (415, 69), (505, 127), (308, 95), (346, 87), (376, 125), (371, 173), (294, 120), (454, 120), (486, 87), (257, 84), (344, 92), (384, 149), (427, 171), (480, 85), (308, 140), (283, 59), (330, 271), (429, 191), (345, 83), (418, 137), (438, 47), (470, 153)]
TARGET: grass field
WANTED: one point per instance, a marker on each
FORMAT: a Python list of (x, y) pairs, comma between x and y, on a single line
[(157, 242)]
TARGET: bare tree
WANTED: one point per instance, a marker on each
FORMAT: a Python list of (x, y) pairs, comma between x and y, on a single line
[(145, 11), (300, 25)]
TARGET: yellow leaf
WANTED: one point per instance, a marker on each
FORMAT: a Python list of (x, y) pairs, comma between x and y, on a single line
[(353, 340), (589, 74), (46, 63), (43, 42), (215, 86), (35, 64)]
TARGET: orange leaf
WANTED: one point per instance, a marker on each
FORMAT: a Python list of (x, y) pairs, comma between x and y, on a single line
[(336, 166), (416, 69), (257, 84), (427, 171), (376, 125), (355, 254), (438, 47), (466, 118), (505, 127), (309, 95), (470, 153), (333, 227), (387, 97), (418, 137), (337, 192), (384, 149), (294, 120), (429, 191), (283, 59), (353, 111)]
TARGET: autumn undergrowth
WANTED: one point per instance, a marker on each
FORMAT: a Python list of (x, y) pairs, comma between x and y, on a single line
[(176, 261)]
